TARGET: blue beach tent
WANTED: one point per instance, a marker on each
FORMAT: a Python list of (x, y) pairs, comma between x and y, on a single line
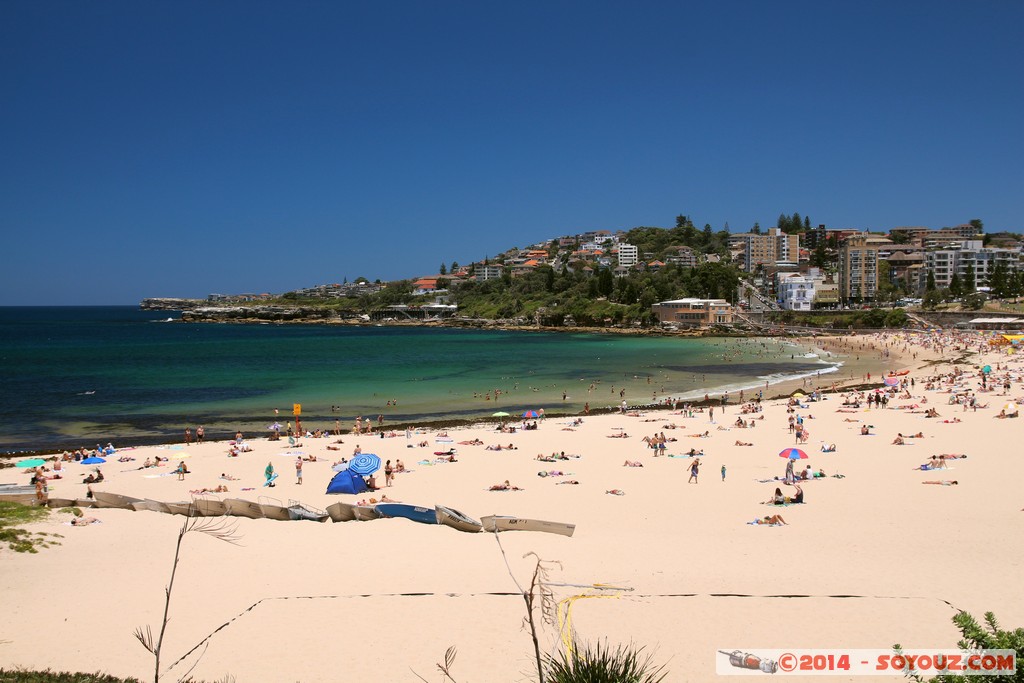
[(346, 482)]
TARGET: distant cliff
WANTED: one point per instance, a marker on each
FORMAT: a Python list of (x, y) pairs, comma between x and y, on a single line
[(262, 313), (170, 304)]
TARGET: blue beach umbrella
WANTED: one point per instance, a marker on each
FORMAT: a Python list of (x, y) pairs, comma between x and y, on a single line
[(364, 464), (793, 454), (93, 461)]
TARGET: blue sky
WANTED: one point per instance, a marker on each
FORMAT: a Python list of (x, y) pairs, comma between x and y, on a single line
[(184, 148)]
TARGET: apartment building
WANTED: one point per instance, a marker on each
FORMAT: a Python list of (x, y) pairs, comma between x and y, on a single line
[(628, 255), (858, 266), (767, 249), (943, 263)]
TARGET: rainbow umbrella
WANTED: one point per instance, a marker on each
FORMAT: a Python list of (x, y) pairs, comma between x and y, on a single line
[(793, 454), (530, 413)]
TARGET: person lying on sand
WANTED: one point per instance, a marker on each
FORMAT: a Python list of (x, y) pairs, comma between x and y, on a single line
[(953, 421), (228, 477), (632, 463), (218, 489), (743, 443), (771, 520), (571, 482), (898, 441), (82, 521), (831, 448), (946, 482), (616, 492), (504, 487), (474, 442), (620, 435)]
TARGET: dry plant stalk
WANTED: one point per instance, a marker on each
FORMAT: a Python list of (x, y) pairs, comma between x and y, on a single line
[(217, 528)]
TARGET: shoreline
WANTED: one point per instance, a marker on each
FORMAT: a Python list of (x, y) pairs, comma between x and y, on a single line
[(849, 373)]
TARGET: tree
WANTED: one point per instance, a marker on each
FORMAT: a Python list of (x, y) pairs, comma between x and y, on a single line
[(820, 257), (455, 267), (443, 270), (756, 229), (978, 226), (932, 298), (930, 282), (807, 223), (998, 281), (954, 285), (605, 282), (969, 285), (708, 237), (782, 223)]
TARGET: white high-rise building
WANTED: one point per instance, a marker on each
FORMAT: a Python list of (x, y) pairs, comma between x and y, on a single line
[(628, 255)]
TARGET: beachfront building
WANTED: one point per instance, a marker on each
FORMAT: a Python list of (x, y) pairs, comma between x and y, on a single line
[(628, 255), (966, 255), (858, 266), (795, 292), (694, 312)]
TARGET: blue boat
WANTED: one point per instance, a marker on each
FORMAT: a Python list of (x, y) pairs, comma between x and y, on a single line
[(415, 513)]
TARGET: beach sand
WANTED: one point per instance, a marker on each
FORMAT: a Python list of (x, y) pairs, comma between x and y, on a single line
[(871, 559)]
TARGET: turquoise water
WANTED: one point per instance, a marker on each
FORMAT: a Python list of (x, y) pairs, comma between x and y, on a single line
[(76, 376)]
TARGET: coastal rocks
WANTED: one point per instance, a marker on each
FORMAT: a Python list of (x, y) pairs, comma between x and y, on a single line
[(259, 313), (169, 304)]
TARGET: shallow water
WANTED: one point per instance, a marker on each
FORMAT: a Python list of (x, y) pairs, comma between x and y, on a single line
[(76, 376)]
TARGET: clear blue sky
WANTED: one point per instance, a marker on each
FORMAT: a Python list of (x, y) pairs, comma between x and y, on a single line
[(183, 148)]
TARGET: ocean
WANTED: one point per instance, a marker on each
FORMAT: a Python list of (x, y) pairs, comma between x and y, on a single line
[(78, 376)]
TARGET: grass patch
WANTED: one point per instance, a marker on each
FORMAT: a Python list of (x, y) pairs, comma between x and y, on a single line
[(12, 515)]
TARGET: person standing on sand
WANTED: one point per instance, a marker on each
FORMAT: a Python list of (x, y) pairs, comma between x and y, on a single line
[(188, 436), (694, 469), (298, 470), (389, 473), (723, 472), (200, 433)]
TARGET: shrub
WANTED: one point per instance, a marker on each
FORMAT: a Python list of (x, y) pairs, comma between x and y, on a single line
[(599, 663)]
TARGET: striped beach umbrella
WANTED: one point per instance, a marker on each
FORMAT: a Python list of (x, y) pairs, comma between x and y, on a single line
[(793, 454)]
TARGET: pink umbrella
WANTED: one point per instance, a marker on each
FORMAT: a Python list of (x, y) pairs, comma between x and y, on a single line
[(892, 381)]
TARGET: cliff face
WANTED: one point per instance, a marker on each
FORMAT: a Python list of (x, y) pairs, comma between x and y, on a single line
[(261, 313), (169, 304)]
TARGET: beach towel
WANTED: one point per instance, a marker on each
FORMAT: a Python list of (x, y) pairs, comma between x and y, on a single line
[(270, 479)]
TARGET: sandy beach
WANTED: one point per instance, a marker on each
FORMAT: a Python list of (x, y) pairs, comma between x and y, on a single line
[(871, 558)]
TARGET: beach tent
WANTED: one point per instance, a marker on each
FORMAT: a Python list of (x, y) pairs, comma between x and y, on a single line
[(346, 482)]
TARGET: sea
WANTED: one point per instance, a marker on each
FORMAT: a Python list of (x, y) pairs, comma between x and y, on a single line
[(82, 376)]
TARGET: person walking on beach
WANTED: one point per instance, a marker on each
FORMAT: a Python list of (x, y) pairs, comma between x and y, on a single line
[(200, 433), (298, 470), (188, 436), (694, 469), (723, 472)]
